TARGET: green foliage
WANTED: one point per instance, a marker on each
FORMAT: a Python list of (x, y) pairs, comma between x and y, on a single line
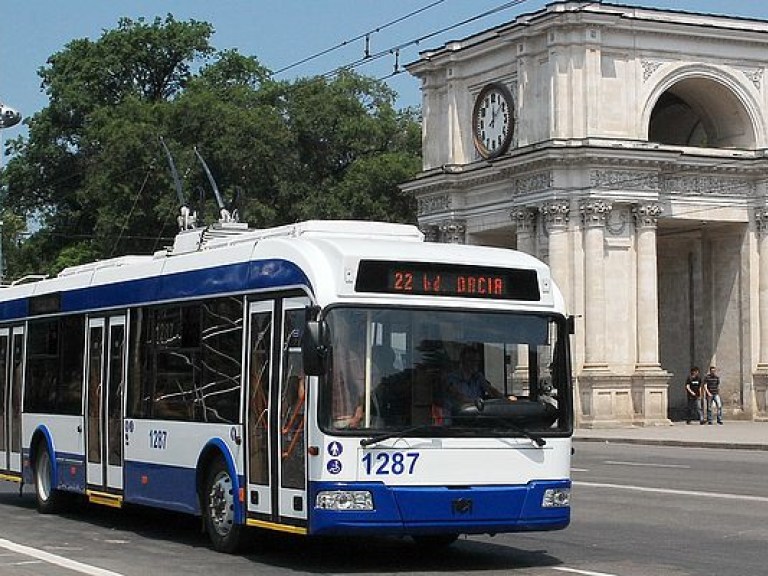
[(95, 176)]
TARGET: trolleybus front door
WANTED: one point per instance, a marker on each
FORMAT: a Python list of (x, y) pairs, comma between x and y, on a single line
[(105, 380), (292, 460), (11, 356), (260, 339), (276, 414)]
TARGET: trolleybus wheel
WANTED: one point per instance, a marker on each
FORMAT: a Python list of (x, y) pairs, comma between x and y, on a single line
[(219, 511), (434, 541), (48, 498)]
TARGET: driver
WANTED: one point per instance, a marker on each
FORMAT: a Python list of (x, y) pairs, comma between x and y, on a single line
[(465, 385)]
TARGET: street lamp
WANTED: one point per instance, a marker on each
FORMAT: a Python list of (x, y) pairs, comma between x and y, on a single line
[(8, 117)]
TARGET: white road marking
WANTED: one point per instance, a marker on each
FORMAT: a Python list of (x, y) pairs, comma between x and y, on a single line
[(675, 492), (579, 469), (584, 572), (646, 464), (57, 560)]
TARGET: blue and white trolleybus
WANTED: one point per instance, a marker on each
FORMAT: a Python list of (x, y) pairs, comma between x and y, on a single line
[(324, 378)]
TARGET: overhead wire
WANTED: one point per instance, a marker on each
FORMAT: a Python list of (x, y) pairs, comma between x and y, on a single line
[(397, 48), (365, 35)]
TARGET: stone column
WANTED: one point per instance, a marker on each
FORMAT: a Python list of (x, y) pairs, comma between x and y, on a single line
[(761, 223), (759, 406), (650, 383), (594, 213), (555, 221), (646, 219), (525, 220)]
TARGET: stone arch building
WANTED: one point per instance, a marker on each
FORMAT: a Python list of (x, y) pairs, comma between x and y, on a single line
[(632, 158)]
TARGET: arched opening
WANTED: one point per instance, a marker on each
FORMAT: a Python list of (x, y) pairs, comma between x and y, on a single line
[(703, 113)]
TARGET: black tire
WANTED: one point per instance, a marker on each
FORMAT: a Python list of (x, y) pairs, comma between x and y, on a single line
[(219, 509), (49, 500), (434, 541)]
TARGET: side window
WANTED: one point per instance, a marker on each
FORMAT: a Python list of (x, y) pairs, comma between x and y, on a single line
[(70, 393), (177, 361), (141, 374), (218, 399), (55, 365), (185, 362), (42, 366)]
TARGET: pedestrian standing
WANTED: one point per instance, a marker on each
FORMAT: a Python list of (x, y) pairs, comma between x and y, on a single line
[(712, 395), (693, 393)]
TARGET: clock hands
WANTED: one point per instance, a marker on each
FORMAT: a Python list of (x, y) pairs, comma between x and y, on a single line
[(494, 113)]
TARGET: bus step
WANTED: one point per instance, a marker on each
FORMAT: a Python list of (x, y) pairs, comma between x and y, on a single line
[(105, 499)]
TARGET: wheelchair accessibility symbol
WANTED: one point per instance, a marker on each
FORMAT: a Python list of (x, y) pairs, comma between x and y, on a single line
[(334, 466)]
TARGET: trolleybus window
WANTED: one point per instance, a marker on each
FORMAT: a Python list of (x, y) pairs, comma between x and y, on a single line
[(54, 365), (450, 372), (191, 360)]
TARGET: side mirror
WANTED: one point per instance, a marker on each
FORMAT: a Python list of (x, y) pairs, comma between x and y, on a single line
[(313, 349)]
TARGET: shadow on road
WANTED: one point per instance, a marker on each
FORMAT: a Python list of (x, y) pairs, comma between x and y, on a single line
[(281, 551)]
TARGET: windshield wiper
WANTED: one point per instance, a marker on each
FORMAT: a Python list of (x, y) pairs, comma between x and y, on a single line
[(480, 404), (397, 434)]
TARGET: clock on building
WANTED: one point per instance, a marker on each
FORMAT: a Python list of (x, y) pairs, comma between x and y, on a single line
[(492, 120)]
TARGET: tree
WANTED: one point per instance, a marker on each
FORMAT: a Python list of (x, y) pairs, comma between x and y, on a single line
[(93, 171)]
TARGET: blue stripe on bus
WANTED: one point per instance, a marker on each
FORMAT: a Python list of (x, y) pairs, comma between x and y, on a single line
[(161, 486), (401, 510), (230, 278)]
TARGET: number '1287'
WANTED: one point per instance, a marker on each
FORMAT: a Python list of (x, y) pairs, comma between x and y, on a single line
[(384, 463)]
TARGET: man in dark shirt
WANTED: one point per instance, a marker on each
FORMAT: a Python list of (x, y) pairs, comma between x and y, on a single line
[(712, 395), (693, 393)]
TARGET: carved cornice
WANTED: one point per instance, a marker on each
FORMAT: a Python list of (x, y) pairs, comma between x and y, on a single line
[(435, 203), (531, 183), (703, 185), (625, 179), (646, 215), (595, 212)]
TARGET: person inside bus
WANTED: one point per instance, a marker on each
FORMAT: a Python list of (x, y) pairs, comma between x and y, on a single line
[(468, 383), (386, 395), (347, 373)]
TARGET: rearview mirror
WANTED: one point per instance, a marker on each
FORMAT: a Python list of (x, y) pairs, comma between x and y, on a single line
[(313, 349)]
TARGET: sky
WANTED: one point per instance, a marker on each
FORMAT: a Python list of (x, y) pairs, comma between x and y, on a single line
[(280, 33)]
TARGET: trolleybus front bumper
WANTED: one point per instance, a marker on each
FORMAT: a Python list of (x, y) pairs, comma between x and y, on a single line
[(400, 510)]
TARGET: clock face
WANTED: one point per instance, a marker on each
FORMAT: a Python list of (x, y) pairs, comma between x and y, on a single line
[(492, 121)]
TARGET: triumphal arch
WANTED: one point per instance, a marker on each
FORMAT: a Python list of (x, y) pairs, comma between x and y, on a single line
[(627, 148)]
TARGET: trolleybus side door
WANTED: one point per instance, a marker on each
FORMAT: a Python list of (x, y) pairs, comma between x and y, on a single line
[(258, 388), (5, 454), (105, 381), (13, 345)]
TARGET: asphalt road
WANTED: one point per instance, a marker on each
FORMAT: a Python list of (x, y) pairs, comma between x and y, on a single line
[(638, 511)]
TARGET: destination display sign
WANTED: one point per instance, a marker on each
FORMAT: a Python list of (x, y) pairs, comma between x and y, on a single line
[(437, 279)]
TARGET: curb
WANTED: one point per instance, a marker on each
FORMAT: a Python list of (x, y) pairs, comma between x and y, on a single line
[(683, 443)]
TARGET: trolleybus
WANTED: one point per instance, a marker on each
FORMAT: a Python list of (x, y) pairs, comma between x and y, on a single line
[(321, 378)]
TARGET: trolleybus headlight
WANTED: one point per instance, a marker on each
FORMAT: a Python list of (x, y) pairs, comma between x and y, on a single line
[(556, 498), (344, 500)]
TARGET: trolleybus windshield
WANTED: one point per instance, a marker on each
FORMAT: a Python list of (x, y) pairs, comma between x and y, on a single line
[(443, 373)]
